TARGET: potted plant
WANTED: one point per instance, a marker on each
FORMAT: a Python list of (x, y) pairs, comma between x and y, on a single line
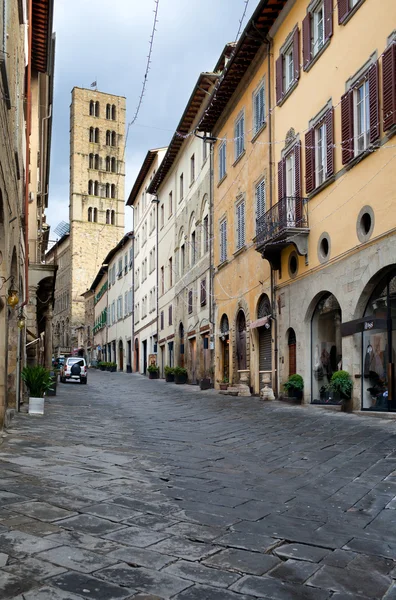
[(180, 375), (224, 383), (113, 367), (38, 380), (102, 365), (294, 386), (153, 371), (169, 374), (205, 383), (341, 385)]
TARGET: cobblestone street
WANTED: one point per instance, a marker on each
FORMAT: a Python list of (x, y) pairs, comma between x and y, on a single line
[(132, 488)]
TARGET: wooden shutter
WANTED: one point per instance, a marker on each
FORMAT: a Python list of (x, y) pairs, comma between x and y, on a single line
[(162, 319), (347, 127), (203, 292), (343, 10), (281, 179), (307, 45), (329, 121), (373, 76), (190, 301), (260, 199), (297, 175), (310, 161), (279, 78), (170, 315), (296, 54), (389, 86), (328, 18)]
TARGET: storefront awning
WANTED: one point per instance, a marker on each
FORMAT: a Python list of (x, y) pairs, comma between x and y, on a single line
[(259, 323), (360, 325)]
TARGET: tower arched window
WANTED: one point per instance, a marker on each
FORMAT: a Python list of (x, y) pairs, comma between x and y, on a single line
[(108, 138), (113, 112), (107, 217), (90, 187), (108, 111), (96, 188), (96, 109), (92, 108), (96, 135), (95, 215), (91, 161), (90, 214), (108, 163), (113, 165), (113, 138), (97, 161), (91, 134), (113, 190), (107, 190), (113, 217)]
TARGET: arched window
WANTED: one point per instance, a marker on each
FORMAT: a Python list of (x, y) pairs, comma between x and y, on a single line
[(96, 188), (108, 163), (263, 307), (107, 190), (108, 111), (193, 241), (113, 165), (95, 215), (97, 135), (108, 138), (90, 214), (224, 325), (97, 161), (241, 340), (107, 217), (113, 112), (90, 187), (96, 109), (113, 138), (91, 134), (113, 191), (113, 217), (92, 108), (91, 161)]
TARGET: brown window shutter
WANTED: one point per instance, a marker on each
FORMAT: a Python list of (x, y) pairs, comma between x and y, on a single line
[(329, 120), (296, 54), (279, 79), (310, 161), (328, 17), (306, 35), (389, 86), (343, 10), (347, 127), (373, 76), (281, 179), (297, 173)]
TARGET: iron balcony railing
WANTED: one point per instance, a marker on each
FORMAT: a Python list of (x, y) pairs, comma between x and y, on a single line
[(290, 213)]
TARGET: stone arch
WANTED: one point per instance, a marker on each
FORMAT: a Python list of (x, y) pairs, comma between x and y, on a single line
[(368, 288), (224, 324), (192, 238), (263, 306)]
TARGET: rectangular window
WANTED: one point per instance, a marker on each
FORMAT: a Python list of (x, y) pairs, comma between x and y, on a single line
[(126, 306), (203, 292), (162, 215), (240, 217), (222, 161), (239, 135), (206, 234), (223, 240), (362, 116), (170, 315), (170, 204), (204, 151), (119, 273), (162, 319), (318, 37), (290, 176), (288, 70), (182, 260), (258, 109), (320, 153), (260, 204), (192, 168), (193, 249), (125, 264), (170, 273), (181, 188), (131, 257), (190, 302), (162, 281)]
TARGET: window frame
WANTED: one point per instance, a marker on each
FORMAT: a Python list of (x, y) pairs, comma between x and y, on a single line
[(222, 160), (240, 223), (260, 213), (239, 135), (223, 240), (258, 124)]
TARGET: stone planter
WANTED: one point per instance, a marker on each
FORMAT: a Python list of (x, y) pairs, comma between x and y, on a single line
[(180, 379), (153, 375), (102, 368), (36, 406), (204, 384), (170, 378), (223, 386)]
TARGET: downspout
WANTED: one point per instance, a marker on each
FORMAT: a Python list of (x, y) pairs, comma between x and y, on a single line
[(211, 262), (42, 194), (28, 131), (133, 292), (156, 202)]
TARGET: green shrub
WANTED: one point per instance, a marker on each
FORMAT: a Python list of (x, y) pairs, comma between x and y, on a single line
[(38, 380), (341, 383), (153, 369), (295, 382), (180, 371), (169, 370)]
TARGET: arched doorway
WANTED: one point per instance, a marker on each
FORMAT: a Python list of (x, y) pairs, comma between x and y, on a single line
[(181, 345), (292, 345), (264, 333), (225, 347), (120, 356), (326, 346), (241, 341), (136, 355)]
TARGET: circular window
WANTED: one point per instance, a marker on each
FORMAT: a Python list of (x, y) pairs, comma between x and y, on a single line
[(324, 247), (365, 224), (293, 264)]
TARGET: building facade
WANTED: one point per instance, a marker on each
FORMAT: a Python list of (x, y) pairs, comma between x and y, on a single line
[(99, 290), (145, 327), (182, 188)]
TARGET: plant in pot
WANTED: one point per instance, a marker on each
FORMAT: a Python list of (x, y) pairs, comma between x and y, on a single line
[(169, 374), (294, 386), (102, 365), (153, 371), (113, 367), (38, 380), (205, 383), (341, 386), (180, 375), (224, 383)]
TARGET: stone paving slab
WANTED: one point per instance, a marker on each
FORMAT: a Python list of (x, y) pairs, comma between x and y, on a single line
[(360, 584), (42, 511), (48, 593), (76, 559), (201, 574), (141, 557), (89, 587), (243, 561)]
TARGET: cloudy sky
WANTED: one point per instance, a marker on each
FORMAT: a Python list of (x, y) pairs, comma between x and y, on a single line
[(108, 42)]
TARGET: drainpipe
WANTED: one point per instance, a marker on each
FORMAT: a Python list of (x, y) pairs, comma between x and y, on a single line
[(133, 292), (155, 201), (43, 194)]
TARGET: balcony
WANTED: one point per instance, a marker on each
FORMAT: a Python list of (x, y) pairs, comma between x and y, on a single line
[(284, 224)]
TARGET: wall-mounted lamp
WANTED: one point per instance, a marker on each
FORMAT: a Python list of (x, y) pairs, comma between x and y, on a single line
[(21, 320), (13, 295)]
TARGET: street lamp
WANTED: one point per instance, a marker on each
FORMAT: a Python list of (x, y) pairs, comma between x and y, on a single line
[(13, 295)]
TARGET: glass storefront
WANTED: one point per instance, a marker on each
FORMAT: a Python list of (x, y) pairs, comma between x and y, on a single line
[(326, 348), (379, 348)]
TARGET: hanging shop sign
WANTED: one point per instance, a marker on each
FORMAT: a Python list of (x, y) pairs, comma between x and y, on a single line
[(360, 325)]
